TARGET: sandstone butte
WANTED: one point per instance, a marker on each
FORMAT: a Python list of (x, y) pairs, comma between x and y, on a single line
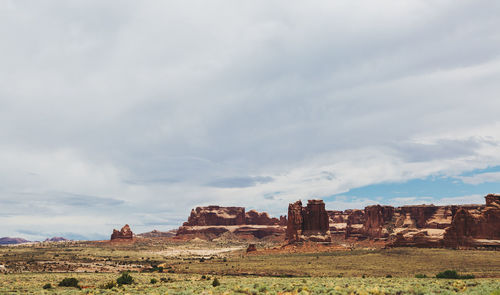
[(125, 234), (453, 226), (213, 221)]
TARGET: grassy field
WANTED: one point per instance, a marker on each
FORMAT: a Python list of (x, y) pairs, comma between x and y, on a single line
[(179, 267), (194, 284)]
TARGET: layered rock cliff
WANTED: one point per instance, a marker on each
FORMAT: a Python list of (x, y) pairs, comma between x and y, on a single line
[(475, 228), (213, 221), (310, 223)]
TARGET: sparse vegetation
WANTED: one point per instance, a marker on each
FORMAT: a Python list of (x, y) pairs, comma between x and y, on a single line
[(216, 282), (452, 274), (270, 273), (108, 285), (69, 282), (125, 279)]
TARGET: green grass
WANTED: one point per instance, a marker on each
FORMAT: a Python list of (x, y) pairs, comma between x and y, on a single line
[(191, 284)]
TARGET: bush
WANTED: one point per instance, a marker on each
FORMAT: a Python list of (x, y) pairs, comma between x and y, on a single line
[(388, 276), (452, 274), (108, 285), (69, 282), (420, 276), (47, 286), (216, 282), (125, 279), (153, 281)]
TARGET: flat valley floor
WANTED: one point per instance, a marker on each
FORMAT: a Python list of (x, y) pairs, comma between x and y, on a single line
[(166, 266)]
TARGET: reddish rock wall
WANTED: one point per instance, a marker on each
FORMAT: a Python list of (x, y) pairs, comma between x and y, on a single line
[(254, 217), (474, 228), (216, 215), (310, 223), (124, 234), (212, 221)]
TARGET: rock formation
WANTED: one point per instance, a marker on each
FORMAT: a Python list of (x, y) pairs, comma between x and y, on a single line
[(216, 215), (310, 223), (254, 217), (475, 228), (122, 235), (213, 221)]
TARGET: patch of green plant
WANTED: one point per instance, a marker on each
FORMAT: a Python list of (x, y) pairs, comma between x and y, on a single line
[(420, 276), (153, 281), (69, 282), (452, 274), (125, 279), (47, 286), (215, 282)]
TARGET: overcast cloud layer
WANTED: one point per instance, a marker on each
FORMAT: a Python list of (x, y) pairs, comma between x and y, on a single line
[(115, 112)]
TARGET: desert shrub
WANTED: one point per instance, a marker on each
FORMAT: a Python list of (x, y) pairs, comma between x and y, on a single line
[(153, 281), (452, 274), (202, 259), (496, 292), (203, 277), (388, 276), (47, 286), (108, 285), (125, 279), (216, 282), (420, 276), (69, 282)]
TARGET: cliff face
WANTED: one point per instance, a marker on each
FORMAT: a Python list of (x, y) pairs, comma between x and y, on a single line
[(472, 228), (422, 225), (122, 235), (216, 215), (213, 221), (310, 223)]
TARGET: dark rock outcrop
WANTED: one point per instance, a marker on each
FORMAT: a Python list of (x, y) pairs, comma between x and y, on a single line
[(122, 235), (310, 223)]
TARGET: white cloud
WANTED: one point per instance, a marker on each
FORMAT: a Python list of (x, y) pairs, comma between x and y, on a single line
[(152, 103), (481, 178)]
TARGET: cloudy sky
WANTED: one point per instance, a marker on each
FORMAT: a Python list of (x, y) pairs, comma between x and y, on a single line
[(115, 112)]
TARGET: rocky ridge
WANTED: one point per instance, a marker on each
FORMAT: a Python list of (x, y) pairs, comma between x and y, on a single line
[(212, 221), (423, 225)]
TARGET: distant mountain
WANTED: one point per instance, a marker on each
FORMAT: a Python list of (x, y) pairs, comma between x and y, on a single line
[(12, 241), (159, 234), (56, 239)]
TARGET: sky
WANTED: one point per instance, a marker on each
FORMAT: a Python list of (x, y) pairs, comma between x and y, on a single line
[(115, 112)]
